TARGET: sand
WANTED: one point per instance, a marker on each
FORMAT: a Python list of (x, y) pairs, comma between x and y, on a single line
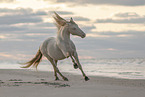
[(27, 83)]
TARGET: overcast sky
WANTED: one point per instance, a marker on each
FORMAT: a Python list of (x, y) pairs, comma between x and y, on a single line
[(114, 28)]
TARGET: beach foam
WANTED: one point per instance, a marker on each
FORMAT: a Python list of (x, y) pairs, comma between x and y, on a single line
[(132, 68)]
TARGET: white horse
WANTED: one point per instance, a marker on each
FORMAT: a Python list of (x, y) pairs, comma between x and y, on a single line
[(61, 47)]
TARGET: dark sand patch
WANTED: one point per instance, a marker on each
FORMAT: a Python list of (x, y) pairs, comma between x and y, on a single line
[(15, 80), (19, 82)]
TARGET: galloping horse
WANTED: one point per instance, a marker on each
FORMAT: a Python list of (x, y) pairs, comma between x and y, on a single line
[(61, 47)]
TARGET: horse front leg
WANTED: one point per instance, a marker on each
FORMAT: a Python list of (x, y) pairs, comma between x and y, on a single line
[(74, 63), (79, 65)]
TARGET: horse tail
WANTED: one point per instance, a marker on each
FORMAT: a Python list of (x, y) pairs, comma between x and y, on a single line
[(34, 61)]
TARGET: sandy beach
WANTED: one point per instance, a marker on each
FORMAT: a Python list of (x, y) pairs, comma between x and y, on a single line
[(27, 83)]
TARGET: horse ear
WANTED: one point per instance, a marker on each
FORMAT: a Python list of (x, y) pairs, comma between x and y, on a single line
[(59, 20), (71, 20)]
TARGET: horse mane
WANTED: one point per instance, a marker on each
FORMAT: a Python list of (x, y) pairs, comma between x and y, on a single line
[(59, 21), (57, 25)]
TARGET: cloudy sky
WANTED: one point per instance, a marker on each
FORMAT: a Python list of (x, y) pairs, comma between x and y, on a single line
[(114, 28)]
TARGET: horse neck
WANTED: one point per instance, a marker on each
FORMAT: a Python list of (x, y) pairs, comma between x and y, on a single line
[(63, 34)]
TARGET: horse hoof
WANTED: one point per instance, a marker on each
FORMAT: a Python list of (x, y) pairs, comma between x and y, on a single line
[(56, 78), (75, 66), (65, 79), (86, 78)]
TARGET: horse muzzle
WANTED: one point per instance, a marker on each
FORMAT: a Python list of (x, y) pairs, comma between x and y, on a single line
[(83, 36)]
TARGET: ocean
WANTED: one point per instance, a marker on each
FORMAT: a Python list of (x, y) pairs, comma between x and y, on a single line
[(126, 68)]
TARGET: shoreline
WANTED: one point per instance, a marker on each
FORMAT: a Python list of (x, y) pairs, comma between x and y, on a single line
[(116, 68), (72, 73), (28, 83), (50, 75)]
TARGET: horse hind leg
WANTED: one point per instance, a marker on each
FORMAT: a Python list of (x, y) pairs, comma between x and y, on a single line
[(55, 73), (56, 70)]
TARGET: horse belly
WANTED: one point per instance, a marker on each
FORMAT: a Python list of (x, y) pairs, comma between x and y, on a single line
[(54, 52)]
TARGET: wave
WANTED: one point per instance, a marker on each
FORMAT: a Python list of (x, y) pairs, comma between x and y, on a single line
[(129, 68)]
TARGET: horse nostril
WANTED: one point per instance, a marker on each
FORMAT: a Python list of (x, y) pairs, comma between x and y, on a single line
[(84, 35)]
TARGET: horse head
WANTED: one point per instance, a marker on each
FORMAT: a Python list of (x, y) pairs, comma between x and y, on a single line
[(73, 28)]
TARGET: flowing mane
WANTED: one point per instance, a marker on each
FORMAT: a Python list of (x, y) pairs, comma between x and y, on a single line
[(57, 19)]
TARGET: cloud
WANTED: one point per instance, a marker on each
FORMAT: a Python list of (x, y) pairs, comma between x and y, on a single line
[(81, 18), (62, 12), (112, 46), (25, 36), (140, 20), (14, 19), (24, 24), (21, 15), (124, 35), (88, 29), (108, 2), (44, 24), (9, 29), (129, 17), (6, 1), (16, 10), (126, 15)]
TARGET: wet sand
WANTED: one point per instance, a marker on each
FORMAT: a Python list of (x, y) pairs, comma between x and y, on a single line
[(27, 83)]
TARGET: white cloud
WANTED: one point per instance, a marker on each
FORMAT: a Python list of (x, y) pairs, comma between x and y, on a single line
[(139, 20), (97, 35), (27, 16), (26, 30), (81, 18), (109, 2), (128, 17), (109, 35), (63, 12), (8, 1), (2, 37)]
